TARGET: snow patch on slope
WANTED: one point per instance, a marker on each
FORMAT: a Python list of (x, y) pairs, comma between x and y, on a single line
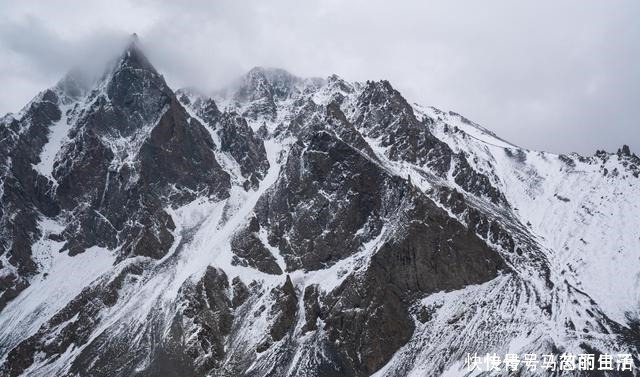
[(584, 219), (61, 278)]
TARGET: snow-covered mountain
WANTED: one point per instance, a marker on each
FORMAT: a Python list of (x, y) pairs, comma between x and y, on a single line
[(298, 227)]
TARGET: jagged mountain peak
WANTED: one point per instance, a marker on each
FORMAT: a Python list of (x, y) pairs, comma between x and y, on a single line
[(130, 93), (269, 73), (625, 151), (378, 92), (339, 83), (277, 76), (381, 95), (84, 79), (262, 83), (268, 83), (133, 56), (127, 75)]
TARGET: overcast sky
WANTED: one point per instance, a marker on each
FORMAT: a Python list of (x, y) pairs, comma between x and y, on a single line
[(555, 75)]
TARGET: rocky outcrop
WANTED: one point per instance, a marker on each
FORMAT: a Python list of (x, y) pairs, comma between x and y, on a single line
[(204, 107), (177, 145), (382, 113), (283, 311), (237, 139), (337, 121), (259, 91), (312, 309), (256, 91), (425, 253), (328, 200), (282, 314), (204, 322), (25, 195), (250, 251), (369, 321)]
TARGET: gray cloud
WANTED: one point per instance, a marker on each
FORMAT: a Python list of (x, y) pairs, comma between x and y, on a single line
[(558, 76)]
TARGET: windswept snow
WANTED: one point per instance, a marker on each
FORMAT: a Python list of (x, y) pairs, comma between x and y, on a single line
[(61, 278), (586, 220), (58, 134)]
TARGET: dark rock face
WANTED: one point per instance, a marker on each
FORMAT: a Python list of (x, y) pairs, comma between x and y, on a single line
[(24, 194), (240, 292), (83, 172), (474, 182), (174, 147), (427, 252), (339, 123), (283, 311), (205, 107), (237, 139), (383, 113), (625, 150), (328, 200), (312, 310), (250, 251), (424, 257), (209, 312), (137, 95), (209, 111), (369, 321)]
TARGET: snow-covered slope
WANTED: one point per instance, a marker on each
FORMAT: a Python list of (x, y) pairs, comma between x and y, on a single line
[(582, 209), (298, 227)]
